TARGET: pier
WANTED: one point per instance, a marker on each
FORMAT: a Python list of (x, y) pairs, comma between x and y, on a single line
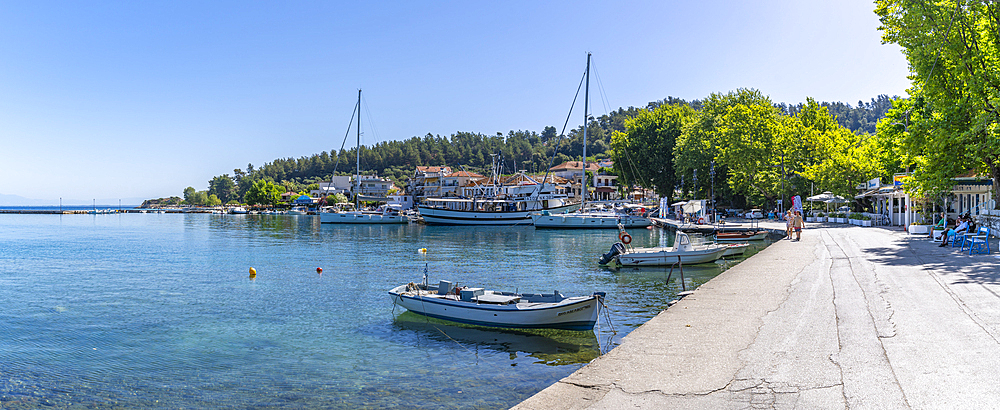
[(849, 317)]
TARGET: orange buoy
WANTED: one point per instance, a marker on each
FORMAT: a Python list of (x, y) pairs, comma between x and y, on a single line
[(319, 271), (253, 273)]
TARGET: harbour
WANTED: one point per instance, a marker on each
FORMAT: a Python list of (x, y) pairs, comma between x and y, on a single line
[(156, 311)]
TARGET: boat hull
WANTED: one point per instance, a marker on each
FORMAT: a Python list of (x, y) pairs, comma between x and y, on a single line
[(740, 237), (439, 216), (356, 218), (570, 221), (574, 313), (736, 249), (668, 257)]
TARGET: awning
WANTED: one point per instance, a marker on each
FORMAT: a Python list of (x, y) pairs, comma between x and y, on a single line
[(866, 193), (679, 203)]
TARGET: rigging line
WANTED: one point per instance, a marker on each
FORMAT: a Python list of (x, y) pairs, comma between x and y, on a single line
[(555, 148), (371, 122), (357, 110), (600, 88)]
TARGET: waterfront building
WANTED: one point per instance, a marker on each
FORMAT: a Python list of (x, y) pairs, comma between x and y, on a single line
[(452, 184), (426, 182)]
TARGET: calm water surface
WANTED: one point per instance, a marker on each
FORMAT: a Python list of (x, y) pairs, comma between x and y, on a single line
[(157, 311)]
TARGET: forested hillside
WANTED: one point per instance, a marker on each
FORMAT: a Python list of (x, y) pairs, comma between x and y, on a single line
[(518, 150)]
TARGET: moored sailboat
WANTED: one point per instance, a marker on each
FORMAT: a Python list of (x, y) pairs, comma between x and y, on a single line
[(384, 215)]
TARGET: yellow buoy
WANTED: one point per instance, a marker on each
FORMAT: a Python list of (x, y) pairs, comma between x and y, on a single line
[(422, 250), (253, 273)]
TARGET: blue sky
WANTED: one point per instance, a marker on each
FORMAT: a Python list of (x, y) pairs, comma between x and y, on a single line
[(123, 99)]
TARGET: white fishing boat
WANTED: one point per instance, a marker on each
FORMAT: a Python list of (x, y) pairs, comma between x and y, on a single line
[(683, 251), (298, 210), (238, 210), (481, 307)]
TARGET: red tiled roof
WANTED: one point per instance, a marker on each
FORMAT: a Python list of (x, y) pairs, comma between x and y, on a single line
[(574, 165), (466, 174)]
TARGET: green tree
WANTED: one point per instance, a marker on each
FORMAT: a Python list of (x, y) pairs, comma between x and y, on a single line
[(189, 194), (222, 187), (263, 192), (644, 151), (952, 124), (213, 200)]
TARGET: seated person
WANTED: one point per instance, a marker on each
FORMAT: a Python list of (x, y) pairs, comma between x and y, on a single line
[(961, 227), (941, 224)]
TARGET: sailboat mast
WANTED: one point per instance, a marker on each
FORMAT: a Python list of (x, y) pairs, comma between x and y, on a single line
[(586, 102), (357, 152)]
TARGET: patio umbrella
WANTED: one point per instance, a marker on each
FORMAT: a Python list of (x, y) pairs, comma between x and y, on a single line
[(825, 196), (692, 207)]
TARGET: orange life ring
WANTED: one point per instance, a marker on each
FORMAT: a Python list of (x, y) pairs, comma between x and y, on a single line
[(626, 238)]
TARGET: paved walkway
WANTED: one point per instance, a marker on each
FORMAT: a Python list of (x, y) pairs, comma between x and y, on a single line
[(849, 317)]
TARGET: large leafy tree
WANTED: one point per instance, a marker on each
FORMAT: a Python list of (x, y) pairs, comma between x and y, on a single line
[(644, 151), (952, 124), (222, 187), (263, 192)]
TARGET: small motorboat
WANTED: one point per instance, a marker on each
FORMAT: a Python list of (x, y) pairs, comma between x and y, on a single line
[(740, 236), (477, 306), (683, 252), (734, 249)]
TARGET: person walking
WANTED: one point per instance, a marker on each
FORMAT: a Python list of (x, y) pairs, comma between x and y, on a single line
[(788, 224), (797, 225)]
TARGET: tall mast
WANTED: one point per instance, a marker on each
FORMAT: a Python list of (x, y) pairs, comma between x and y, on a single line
[(357, 152), (586, 102)]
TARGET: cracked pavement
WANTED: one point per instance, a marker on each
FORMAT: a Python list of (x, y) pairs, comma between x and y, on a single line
[(849, 317)]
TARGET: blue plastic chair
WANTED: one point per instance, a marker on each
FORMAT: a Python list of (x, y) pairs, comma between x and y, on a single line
[(980, 243), (956, 238)]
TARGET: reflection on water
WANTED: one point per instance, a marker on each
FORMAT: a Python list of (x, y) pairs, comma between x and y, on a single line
[(552, 347), (156, 311)]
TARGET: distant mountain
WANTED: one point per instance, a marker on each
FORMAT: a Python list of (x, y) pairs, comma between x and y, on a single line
[(22, 201), (16, 200)]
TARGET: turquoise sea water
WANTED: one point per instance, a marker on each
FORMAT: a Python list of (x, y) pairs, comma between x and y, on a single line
[(157, 311)]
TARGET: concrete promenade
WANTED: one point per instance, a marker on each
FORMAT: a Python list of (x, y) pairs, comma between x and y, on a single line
[(849, 317)]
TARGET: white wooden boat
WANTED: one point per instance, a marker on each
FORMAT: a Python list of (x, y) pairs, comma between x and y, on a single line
[(481, 307), (740, 236), (682, 251)]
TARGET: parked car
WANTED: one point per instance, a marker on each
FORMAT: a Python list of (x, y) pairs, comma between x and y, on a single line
[(755, 214)]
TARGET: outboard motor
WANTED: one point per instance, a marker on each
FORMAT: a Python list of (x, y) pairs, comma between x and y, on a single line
[(616, 249)]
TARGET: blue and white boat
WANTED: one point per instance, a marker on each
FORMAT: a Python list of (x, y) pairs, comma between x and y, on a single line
[(481, 307)]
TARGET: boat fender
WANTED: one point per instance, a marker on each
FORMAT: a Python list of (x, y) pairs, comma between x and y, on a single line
[(626, 238)]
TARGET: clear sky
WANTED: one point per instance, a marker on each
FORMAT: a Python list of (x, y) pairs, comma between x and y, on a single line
[(123, 99)]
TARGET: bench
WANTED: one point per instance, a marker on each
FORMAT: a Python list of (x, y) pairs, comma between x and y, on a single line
[(980, 242)]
